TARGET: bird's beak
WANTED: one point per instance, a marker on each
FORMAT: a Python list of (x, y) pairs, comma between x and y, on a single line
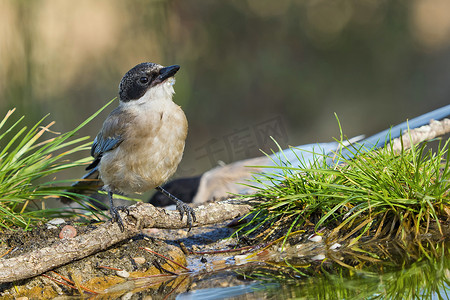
[(166, 72)]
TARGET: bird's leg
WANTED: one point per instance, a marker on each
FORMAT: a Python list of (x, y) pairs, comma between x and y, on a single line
[(182, 207), (114, 210)]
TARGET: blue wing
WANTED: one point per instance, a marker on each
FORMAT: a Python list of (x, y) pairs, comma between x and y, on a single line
[(102, 145), (109, 137)]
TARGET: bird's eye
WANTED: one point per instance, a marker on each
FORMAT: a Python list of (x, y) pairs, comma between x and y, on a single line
[(143, 80)]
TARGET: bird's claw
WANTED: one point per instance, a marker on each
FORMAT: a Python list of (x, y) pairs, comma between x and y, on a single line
[(115, 216), (185, 209)]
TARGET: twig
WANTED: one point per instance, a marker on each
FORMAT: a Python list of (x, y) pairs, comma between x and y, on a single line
[(6, 252), (165, 257), (175, 288), (154, 276), (59, 281), (161, 269), (109, 268), (71, 282), (66, 279), (222, 251)]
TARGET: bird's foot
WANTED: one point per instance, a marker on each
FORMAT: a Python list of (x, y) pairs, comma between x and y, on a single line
[(185, 209), (182, 207), (115, 216)]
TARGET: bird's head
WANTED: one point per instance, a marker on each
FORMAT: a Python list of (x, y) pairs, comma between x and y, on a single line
[(146, 77)]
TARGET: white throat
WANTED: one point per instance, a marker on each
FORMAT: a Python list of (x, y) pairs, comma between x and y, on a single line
[(159, 93)]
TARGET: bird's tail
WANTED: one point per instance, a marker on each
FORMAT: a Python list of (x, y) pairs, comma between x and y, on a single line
[(88, 184)]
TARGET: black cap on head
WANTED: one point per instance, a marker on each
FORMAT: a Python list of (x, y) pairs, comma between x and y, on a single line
[(139, 79)]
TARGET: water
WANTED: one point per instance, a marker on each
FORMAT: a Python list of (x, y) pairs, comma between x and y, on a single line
[(405, 275)]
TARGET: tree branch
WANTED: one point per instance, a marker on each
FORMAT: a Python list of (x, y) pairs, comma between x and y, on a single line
[(421, 134), (141, 216)]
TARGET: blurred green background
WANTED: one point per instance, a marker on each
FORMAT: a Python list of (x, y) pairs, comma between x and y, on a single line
[(249, 68)]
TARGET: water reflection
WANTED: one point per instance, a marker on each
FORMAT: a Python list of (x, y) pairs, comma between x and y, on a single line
[(402, 276)]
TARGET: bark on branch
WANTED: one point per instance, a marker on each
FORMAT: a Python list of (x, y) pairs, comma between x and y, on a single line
[(421, 134), (142, 215)]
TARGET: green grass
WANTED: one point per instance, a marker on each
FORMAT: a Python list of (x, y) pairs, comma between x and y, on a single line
[(379, 193), (28, 164)]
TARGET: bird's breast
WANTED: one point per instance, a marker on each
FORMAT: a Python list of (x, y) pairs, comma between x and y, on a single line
[(151, 151)]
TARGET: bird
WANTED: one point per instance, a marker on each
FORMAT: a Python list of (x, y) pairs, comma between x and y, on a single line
[(142, 140)]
